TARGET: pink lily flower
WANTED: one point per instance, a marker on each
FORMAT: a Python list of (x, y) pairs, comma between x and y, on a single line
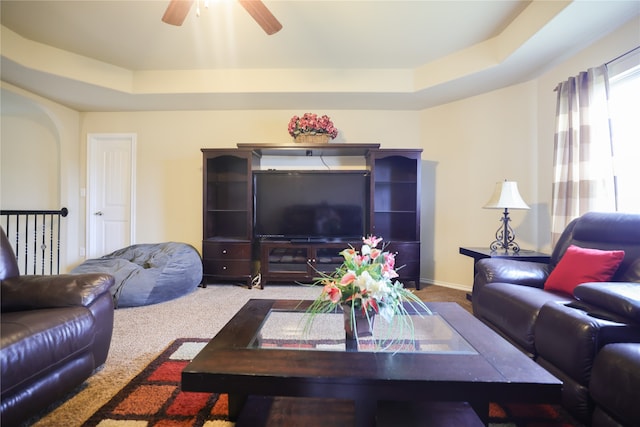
[(333, 292), (372, 241), (360, 259), (370, 302), (388, 272), (348, 278), (390, 260)]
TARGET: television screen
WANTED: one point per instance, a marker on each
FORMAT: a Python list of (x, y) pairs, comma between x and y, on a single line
[(319, 205)]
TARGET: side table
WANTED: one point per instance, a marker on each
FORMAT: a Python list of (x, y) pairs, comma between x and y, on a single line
[(481, 253)]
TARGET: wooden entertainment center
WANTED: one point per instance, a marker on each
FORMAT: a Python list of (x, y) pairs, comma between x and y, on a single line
[(231, 251)]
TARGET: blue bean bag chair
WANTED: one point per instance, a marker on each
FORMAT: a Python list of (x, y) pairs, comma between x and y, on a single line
[(149, 273)]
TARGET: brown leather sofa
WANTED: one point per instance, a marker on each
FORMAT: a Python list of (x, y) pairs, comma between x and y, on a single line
[(54, 332), (565, 332), (617, 364)]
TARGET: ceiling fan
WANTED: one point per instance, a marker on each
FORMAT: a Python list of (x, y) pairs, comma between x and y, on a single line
[(178, 9)]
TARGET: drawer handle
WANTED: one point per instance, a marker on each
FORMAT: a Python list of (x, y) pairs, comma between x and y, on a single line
[(224, 267), (224, 251)]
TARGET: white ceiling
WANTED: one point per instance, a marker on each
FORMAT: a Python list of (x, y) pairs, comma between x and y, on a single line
[(118, 55)]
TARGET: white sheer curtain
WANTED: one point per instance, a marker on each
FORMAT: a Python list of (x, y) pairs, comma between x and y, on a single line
[(583, 177), (624, 105)]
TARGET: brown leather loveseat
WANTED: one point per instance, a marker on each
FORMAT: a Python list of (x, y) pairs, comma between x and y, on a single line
[(55, 331), (617, 364), (563, 313)]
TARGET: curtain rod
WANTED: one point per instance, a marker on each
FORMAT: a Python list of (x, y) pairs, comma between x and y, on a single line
[(622, 56), (617, 58)]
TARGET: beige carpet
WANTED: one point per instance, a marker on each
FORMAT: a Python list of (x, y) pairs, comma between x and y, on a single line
[(141, 333)]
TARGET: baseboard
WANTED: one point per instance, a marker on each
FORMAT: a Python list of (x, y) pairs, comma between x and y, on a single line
[(456, 286)]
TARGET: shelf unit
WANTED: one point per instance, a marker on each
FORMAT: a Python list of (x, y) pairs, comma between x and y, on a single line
[(395, 206), (230, 250), (227, 214)]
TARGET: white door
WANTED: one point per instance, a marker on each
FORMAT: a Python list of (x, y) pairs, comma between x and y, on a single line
[(110, 192)]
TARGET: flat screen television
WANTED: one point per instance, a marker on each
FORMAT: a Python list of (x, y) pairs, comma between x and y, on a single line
[(311, 205)]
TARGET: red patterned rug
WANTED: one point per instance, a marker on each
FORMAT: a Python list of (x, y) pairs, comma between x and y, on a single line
[(154, 399)]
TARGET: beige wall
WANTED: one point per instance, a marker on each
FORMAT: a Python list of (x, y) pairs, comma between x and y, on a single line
[(25, 163), (169, 161), (26, 116), (504, 134), (468, 146)]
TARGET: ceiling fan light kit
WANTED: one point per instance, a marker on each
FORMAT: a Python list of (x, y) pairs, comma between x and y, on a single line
[(178, 10)]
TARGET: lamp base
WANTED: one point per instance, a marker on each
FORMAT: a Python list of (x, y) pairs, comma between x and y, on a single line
[(496, 245), (505, 237)]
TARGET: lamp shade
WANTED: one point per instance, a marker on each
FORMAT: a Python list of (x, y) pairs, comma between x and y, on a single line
[(506, 196)]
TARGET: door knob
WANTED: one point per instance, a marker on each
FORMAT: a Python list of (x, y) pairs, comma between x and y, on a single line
[(99, 213)]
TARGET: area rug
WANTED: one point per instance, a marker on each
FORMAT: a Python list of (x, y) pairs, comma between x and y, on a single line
[(154, 399)]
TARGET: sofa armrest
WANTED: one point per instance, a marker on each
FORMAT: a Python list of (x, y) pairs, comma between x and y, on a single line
[(490, 270), (614, 385), (35, 292), (621, 298), (570, 336)]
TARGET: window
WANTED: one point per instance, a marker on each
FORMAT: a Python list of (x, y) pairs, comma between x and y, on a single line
[(624, 105)]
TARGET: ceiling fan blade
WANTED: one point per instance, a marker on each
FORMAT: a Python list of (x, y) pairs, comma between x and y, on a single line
[(262, 15), (177, 12)]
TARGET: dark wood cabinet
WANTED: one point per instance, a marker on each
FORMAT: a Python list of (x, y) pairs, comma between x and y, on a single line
[(225, 260), (227, 214), (407, 261), (282, 261), (230, 251), (395, 206)]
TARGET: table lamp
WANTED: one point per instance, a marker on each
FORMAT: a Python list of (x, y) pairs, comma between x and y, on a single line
[(505, 196)]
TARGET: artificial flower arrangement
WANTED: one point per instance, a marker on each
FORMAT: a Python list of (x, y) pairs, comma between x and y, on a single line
[(312, 124), (365, 284)]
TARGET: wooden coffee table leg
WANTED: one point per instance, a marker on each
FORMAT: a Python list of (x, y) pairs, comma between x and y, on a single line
[(481, 407), (236, 403)]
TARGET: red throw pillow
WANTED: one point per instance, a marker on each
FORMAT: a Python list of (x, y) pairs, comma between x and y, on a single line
[(581, 265)]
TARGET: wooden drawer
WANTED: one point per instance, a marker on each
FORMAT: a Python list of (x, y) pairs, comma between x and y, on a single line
[(411, 270), (226, 250), (230, 268), (408, 257), (407, 252)]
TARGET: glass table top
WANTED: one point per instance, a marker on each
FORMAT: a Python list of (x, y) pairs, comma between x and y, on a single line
[(292, 330)]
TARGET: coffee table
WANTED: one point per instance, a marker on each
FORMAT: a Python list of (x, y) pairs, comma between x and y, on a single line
[(454, 358)]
